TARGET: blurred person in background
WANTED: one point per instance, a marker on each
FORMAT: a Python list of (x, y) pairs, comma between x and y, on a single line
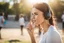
[(62, 17), (21, 22), (44, 17), (1, 22)]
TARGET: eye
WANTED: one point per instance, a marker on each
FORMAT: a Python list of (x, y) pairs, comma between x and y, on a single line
[(35, 13)]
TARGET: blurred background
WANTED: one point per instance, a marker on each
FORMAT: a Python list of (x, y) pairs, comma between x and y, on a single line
[(13, 8), (16, 7)]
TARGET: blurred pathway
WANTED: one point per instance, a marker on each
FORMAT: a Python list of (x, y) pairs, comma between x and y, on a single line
[(14, 24), (12, 31)]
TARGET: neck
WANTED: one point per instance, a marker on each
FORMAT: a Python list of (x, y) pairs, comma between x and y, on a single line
[(45, 25)]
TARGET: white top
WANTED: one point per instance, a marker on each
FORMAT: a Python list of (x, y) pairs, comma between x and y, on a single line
[(1, 24), (62, 17), (51, 36), (21, 21)]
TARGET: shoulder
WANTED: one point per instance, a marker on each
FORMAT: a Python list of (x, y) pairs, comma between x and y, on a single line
[(1, 17), (63, 15), (54, 35)]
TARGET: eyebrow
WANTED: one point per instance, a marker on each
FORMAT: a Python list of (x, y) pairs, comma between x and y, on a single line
[(34, 12)]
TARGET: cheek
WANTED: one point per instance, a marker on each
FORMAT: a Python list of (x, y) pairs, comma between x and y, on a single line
[(39, 19)]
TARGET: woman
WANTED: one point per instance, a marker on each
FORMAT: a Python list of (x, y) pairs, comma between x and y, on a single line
[(21, 22), (1, 22), (43, 16)]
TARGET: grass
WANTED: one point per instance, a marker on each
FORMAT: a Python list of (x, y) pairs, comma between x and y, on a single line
[(18, 42), (24, 41)]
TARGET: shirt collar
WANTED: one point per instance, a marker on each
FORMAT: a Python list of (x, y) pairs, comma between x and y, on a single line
[(50, 28)]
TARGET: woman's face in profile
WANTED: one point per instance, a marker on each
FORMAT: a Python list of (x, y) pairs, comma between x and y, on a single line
[(37, 16)]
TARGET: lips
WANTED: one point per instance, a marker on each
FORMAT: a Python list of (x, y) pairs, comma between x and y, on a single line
[(33, 20)]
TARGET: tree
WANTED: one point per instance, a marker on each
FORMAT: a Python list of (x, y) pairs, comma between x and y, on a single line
[(57, 8), (25, 8), (16, 10), (4, 7)]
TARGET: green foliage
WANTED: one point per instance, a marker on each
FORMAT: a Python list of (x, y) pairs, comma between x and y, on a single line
[(57, 7), (24, 8), (4, 7), (10, 11), (16, 8)]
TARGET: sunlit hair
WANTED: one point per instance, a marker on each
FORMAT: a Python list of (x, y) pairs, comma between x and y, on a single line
[(45, 9)]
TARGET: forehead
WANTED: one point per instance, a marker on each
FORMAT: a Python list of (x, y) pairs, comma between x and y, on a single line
[(34, 10)]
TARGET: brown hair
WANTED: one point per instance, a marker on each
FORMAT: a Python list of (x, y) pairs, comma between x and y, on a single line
[(1, 14), (45, 8), (21, 15)]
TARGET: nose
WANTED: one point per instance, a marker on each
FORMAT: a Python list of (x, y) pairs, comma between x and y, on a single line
[(33, 18)]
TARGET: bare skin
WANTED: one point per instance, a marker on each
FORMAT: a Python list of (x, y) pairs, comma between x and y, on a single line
[(39, 20)]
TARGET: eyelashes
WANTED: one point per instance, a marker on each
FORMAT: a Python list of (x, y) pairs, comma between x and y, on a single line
[(35, 13)]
